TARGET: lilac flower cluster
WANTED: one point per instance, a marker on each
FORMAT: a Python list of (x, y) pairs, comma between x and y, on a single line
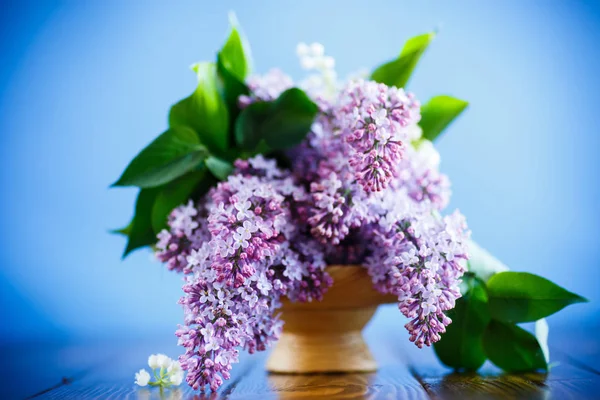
[(372, 118), (185, 234), (360, 146), (251, 255), (362, 188), (419, 257), (420, 175), (376, 191)]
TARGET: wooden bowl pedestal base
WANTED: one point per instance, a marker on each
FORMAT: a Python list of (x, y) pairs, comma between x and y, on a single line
[(323, 341), (325, 336)]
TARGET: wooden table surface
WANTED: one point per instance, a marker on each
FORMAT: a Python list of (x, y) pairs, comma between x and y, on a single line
[(105, 369)]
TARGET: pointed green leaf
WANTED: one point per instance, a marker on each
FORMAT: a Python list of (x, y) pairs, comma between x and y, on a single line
[(169, 156), (233, 66), (513, 349), (289, 119), (172, 195), (221, 169), (438, 113), (461, 347), (398, 72), (141, 233), (204, 111), (231, 87), (248, 125), (282, 123), (235, 54), (125, 231), (525, 297)]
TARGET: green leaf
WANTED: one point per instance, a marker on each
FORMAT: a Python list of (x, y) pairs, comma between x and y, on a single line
[(231, 87), (282, 123), (248, 125), (172, 195), (513, 349), (233, 65), (141, 233), (235, 54), (461, 347), (125, 231), (169, 156), (219, 168), (482, 263), (204, 111), (525, 297), (397, 72), (289, 119), (438, 113)]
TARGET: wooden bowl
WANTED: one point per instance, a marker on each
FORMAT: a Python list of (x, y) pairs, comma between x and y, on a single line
[(325, 336)]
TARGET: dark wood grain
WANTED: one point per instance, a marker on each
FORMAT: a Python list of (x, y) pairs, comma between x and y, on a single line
[(36, 368), (566, 380), (104, 370)]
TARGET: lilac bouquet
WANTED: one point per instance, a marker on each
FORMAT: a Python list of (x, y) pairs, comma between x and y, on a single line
[(260, 183)]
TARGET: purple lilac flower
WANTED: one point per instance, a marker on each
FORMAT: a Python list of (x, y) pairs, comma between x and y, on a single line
[(355, 150), (253, 256), (330, 210), (301, 273), (350, 251), (266, 87), (363, 188), (336, 203), (187, 230), (419, 174), (373, 119), (420, 258), (320, 154)]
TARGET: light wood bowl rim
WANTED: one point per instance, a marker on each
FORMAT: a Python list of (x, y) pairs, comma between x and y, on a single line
[(352, 288)]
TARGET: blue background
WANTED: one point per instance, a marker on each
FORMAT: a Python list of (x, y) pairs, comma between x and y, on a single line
[(85, 85)]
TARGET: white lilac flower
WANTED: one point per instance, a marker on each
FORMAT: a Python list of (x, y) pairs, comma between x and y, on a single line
[(322, 83), (153, 361), (163, 361), (142, 378), (167, 372), (302, 50), (174, 367), (311, 56), (177, 378)]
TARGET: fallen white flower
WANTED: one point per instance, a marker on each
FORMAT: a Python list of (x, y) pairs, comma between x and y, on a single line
[(142, 377), (167, 372), (177, 378), (174, 368)]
